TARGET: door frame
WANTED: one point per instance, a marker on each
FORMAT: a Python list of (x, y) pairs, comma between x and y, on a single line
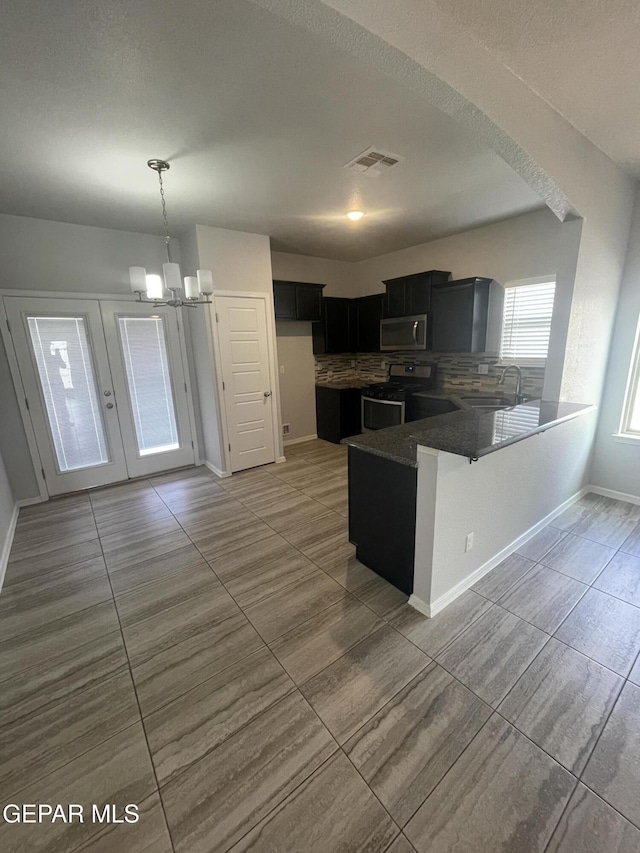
[(267, 298), (19, 386)]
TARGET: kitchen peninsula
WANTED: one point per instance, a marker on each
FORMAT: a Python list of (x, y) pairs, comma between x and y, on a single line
[(430, 522)]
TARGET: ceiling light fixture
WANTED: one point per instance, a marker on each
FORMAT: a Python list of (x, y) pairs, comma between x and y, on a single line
[(152, 285), (354, 215)]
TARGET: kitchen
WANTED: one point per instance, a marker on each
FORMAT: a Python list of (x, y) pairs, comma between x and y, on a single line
[(451, 364)]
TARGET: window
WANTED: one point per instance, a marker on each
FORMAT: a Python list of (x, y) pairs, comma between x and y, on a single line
[(526, 324), (631, 413)]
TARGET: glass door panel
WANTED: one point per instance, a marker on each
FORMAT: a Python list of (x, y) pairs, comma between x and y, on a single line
[(68, 386), (149, 379), (62, 359), (144, 349)]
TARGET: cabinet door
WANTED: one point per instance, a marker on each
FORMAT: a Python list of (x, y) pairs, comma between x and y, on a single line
[(395, 304), (284, 300), (369, 312), (418, 294), (337, 326), (453, 314), (308, 302)]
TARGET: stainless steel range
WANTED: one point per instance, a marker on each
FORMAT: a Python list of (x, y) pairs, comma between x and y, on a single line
[(387, 404)]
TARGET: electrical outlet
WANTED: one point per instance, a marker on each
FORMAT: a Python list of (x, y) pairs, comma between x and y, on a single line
[(483, 369), (468, 544), (282, 368), (286, 429)]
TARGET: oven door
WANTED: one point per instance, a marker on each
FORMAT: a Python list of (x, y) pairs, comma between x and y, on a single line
[(380, 414)]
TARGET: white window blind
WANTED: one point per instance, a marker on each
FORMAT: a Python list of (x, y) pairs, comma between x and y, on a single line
[(631, 414), (67, 381), (527, 321), (146, 360), (508, 424)]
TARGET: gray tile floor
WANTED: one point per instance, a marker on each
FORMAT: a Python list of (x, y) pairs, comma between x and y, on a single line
[(211, 651)]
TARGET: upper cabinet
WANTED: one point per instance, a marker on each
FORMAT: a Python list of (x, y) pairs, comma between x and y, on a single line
[(337, 330), (460, 314), (369, 312), (411, 294), (297, 300)]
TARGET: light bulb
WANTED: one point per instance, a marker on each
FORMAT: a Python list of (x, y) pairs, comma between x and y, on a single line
[(354, 215), (155, 287)]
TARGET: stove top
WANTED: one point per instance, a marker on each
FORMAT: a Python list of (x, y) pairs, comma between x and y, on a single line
[(404, 380)]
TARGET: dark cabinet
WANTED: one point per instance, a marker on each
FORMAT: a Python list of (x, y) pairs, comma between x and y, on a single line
[(382, 516), (411, 294), (297, 300), (369, 312), (337, 413), (337, 330), (460, 312)]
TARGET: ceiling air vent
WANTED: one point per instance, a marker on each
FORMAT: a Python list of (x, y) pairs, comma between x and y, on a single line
[(373, 162)]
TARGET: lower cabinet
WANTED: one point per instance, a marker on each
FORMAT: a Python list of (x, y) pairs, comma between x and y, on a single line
[(382, 516), (337, 413)]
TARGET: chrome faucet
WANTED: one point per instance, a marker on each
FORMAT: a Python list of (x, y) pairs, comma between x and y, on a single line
[(518, 395)]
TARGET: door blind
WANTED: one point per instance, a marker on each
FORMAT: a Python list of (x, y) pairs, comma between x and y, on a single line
[(144, 348), (528, 310)]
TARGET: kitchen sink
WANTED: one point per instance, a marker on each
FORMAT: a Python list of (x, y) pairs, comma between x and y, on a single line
[(488, 402)]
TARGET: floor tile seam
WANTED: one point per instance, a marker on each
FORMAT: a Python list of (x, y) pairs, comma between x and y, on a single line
[(217, 674), (23, 585), (54, 539), (429, 662), (562, 814), (452, 641), (588, 583), (566, 616), (76, 692), (277, 805), (597, 541), (137, 698), (25, 672), (295, 690), (324, 668), (497, 604), (450, 769), (511, 585), (395, 823), (209, 752), (52, 622)]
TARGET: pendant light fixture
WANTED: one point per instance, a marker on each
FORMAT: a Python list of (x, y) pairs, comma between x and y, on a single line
[(150, 287)]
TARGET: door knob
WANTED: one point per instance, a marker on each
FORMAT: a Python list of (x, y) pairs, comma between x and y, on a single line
[(109, 405), (267, 393)]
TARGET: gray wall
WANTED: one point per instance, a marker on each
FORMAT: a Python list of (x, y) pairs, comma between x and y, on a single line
[(54, 256), (616, 465)]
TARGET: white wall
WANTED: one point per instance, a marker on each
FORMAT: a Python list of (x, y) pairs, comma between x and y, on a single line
[(37, 254), (340, 277), (493, 498), (239, 261), (297, 383), (616, 465)]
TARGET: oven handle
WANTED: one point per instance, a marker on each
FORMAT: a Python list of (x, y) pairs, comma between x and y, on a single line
[(415, 332)]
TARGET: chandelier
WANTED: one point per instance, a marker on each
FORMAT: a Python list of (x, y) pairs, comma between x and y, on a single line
[(151, 287)]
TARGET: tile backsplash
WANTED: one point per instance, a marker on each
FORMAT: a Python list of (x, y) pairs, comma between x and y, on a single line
[(456, 371)]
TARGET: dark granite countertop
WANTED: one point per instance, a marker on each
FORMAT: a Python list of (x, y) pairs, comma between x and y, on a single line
[(341, 384), (468, 432)]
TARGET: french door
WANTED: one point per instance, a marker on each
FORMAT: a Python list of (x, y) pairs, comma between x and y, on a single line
[(105, 389)]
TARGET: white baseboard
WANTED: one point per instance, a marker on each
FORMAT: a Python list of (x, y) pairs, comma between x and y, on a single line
[(30, 502), (300, 440), (281, 459), (610, 493), (8, 542), (457, 590), (216, 470)]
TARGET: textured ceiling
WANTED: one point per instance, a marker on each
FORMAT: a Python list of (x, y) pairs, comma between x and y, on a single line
[(256, 116), (581, 56)]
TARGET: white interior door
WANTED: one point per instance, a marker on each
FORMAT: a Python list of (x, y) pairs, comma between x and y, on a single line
[(244, 352), (65, 372), (143, 343)]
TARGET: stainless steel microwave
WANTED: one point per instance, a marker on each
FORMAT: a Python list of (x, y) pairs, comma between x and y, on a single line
[(404, 333)]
